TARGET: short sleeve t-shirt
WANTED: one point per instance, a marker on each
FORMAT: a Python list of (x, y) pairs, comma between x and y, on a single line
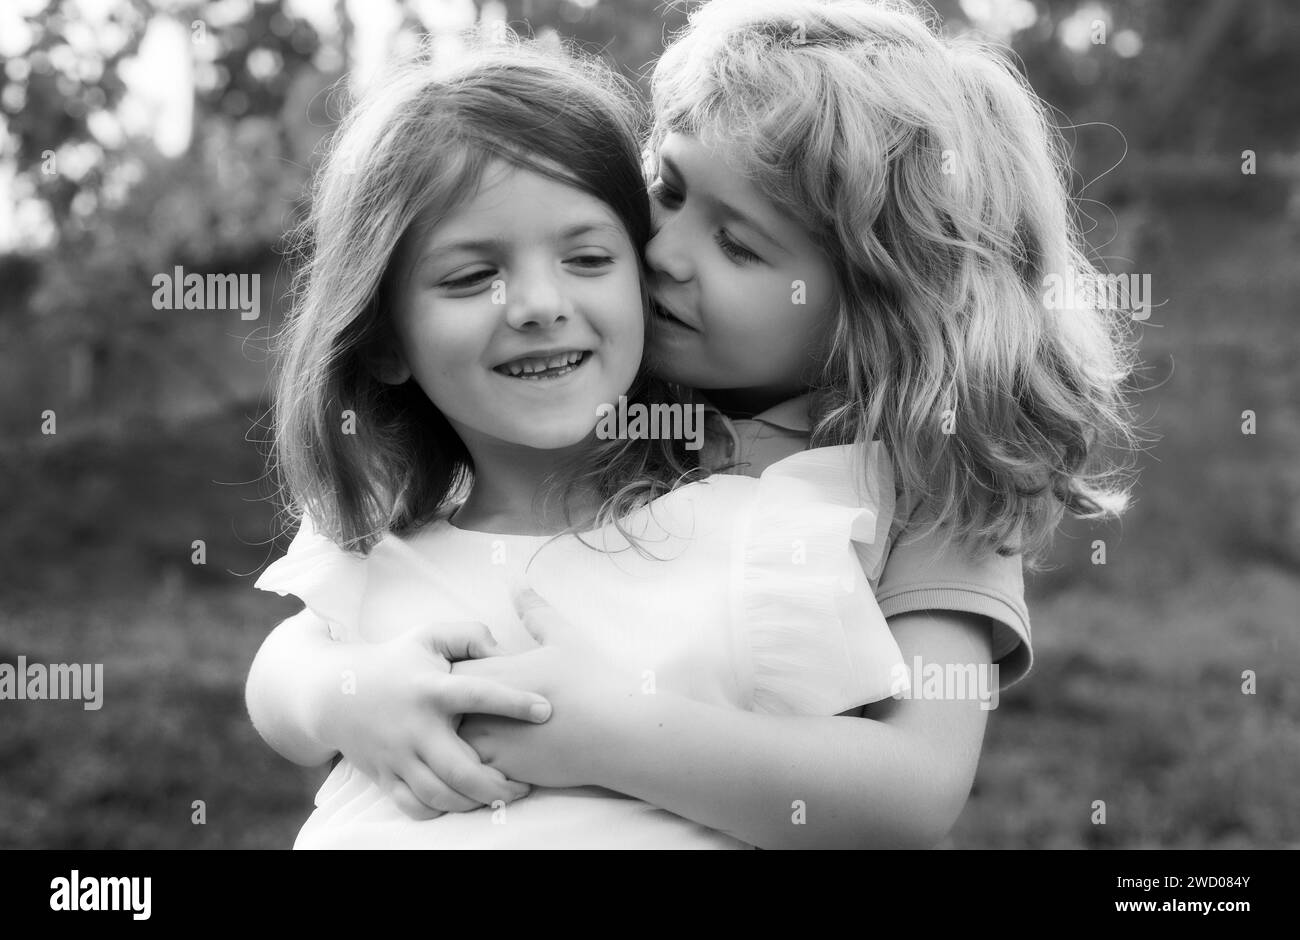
[(919, 573)]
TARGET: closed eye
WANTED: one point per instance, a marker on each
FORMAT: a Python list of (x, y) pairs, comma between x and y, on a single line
[(664, 194), (733, 249), (473, 279), (591, 261)]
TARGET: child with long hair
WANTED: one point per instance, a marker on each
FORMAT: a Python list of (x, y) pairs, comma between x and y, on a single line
[(472, 297), (914, 209), (854, 223)]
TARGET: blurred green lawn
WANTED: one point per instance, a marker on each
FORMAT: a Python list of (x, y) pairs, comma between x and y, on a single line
[(1136, 699)]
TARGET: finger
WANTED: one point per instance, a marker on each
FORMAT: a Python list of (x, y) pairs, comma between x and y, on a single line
[(460, 640), (515, 789), (462, 770), (461, 695), (540, 619), (484, 744), (408, 802), (432, 792)]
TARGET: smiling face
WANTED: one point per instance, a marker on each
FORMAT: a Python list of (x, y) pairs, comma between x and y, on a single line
[(724, 263), (521, 312)]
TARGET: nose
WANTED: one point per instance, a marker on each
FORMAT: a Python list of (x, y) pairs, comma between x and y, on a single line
[(664, 252), (535, 300)]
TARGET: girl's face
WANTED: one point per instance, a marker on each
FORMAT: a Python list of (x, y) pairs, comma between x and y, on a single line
[(522, 312), (747, 299)]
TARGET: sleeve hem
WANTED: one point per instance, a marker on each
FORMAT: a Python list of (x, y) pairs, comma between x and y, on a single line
[(1012, 645)]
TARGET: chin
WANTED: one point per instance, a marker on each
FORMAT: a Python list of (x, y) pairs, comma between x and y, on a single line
[(672, 369), (554, 438)]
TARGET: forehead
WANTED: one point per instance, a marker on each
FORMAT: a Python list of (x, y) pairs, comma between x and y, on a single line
[(709, 157), (511, 199)]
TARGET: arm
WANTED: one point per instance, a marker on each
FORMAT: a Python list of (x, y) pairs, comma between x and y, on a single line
[(898, 777), (286, 686), (391, 708)]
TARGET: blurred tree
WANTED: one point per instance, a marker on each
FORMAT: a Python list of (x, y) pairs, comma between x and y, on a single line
[(220, 206), (627, 32), (1202, 77), (50, 92)]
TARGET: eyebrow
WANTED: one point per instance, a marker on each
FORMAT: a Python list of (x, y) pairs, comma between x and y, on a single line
[(491, 244), (726, 208)]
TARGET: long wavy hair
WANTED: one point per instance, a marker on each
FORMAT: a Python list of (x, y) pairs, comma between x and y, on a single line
[(364, 458), (928, 171)]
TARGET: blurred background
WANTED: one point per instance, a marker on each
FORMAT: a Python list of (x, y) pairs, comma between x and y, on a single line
[(136, 137)]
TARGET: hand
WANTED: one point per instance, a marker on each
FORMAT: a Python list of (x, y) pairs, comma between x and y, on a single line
[(586, 691), (396, 712)]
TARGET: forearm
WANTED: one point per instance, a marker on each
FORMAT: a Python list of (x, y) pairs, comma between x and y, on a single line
[(782, 781), (897, 777), (295, 667)]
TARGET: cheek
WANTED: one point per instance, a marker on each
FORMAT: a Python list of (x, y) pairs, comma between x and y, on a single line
[(757, 314), (760, 334), (439, 343), (825, 319), (823, 309), (624, 319)]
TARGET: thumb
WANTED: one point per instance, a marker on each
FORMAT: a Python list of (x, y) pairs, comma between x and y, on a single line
[(459, 640), (540, 619)]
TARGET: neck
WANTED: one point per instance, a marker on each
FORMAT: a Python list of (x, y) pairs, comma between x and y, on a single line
[(507, 490), (747, 402)]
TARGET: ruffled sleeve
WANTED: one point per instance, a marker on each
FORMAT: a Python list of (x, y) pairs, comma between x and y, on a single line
[(814, 533), (329, 580)]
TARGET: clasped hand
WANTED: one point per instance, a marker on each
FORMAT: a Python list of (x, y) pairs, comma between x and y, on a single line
[(445, 721)]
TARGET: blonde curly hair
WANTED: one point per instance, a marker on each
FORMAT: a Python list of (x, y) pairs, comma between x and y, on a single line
[(928, 171)]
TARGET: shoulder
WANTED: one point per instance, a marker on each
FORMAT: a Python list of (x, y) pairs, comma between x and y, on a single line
[(328, 579), (844, 471), (925, 572), (919, 556), (819, 644), (844, 493), (332, 581)]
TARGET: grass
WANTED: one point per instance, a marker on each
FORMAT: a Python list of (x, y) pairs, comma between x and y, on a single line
[(1140, 704), (172, 730), (1136, 699)]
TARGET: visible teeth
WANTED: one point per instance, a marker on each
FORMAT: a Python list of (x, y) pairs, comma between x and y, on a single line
[(521, 367)]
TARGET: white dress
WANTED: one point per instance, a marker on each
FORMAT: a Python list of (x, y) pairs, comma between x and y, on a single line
[(760, 598)]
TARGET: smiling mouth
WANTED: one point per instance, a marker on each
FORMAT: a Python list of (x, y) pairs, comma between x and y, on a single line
[(541, 368)]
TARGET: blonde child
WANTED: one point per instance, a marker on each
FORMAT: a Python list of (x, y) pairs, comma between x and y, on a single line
[(854, 222), (473, 297)]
